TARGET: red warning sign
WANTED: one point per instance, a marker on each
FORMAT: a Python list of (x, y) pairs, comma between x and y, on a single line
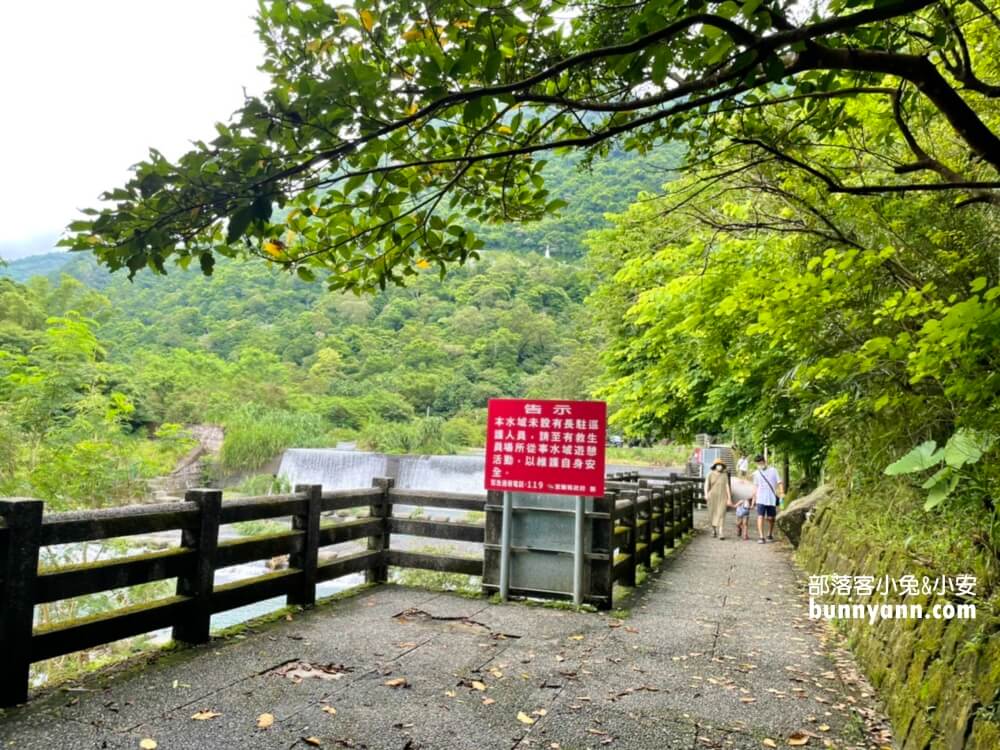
[(551, 447)]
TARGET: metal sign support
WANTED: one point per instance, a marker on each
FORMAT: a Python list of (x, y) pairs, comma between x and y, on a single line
[(578, 553), (505, 546)]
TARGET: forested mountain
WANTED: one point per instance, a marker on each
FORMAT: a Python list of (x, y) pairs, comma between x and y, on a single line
[(279, 361), (34, 265), (591, 191)]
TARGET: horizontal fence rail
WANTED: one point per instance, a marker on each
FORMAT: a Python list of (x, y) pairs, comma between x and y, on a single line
[(25, 530), (638, 517)]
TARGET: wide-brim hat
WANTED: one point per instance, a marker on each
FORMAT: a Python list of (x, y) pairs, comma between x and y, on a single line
[(718, 463)]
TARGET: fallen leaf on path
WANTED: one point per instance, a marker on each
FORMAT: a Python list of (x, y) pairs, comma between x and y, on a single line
[(314, 741), (330, 710), (488, 701), (450, 693), (768, 742), (539, 712), (824, 727), (798, 739), (524, 718), (396, 682), (746, 699), (477, 685), (576, 637), (408, 644), (148, 744), (265, 720), (296, 671), (205, 715)]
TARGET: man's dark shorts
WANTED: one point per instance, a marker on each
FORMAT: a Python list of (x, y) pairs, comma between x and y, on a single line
[(767, 511)]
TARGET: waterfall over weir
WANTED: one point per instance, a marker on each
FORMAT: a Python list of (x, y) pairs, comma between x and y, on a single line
[(443, 473), (342, 470)]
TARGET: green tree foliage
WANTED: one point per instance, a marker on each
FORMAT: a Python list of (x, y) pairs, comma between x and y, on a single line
[(833, 327), (66, 434), (387, 127)]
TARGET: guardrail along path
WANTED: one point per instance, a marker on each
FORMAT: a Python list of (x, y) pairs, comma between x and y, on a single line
[(716, 651)]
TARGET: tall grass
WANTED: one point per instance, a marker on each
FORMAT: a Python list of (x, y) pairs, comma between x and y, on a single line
[(675, 454), (425, 435), (255, 435)]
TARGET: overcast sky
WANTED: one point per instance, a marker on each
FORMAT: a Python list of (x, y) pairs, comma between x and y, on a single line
[(89, 85)]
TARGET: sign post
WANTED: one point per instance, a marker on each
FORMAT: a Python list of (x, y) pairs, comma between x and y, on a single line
[(545, 447), (578, 553), (505, 547)]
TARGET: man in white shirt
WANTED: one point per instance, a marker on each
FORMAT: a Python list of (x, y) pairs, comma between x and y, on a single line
[(743, 465), (767, 492)]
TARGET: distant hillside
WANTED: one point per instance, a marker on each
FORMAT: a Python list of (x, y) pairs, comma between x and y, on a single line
[(40, 244), (609, 185), (35, 265)]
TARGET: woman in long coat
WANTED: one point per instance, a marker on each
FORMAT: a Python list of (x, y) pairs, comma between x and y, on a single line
[(718, 496)]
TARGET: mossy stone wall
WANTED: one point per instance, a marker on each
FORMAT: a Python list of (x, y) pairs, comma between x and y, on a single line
[(940, 679)]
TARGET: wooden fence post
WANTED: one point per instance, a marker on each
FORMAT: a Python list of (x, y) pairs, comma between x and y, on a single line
[(379, 573), (200, 581), (602, 579), (307, 558), (690, 506), (659, 526), (644, 514), (18, 570), (633, 536), (675, 514)]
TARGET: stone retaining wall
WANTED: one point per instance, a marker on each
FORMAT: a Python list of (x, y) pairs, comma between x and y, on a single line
[(940, 679)]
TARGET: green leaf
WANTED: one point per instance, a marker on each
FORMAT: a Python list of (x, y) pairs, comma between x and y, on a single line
[(940, 491), (921, 458), (941, 474), (966, 447), (305, 274), (238, 223), (492, 66)]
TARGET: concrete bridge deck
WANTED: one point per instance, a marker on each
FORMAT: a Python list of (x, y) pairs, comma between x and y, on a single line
[(717, 651)]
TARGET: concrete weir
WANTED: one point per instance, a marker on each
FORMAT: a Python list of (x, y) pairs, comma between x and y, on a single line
[(345, 469)]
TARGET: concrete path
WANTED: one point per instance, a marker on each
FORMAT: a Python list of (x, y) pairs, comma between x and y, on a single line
[(716, 652)]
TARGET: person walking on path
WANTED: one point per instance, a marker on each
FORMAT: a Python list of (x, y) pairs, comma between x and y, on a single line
[(743, 466), (767, 491), (718, 496)]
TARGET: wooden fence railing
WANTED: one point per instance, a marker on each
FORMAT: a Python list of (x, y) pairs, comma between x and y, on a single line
[(638, 517), (648, 516), (24, 530)]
